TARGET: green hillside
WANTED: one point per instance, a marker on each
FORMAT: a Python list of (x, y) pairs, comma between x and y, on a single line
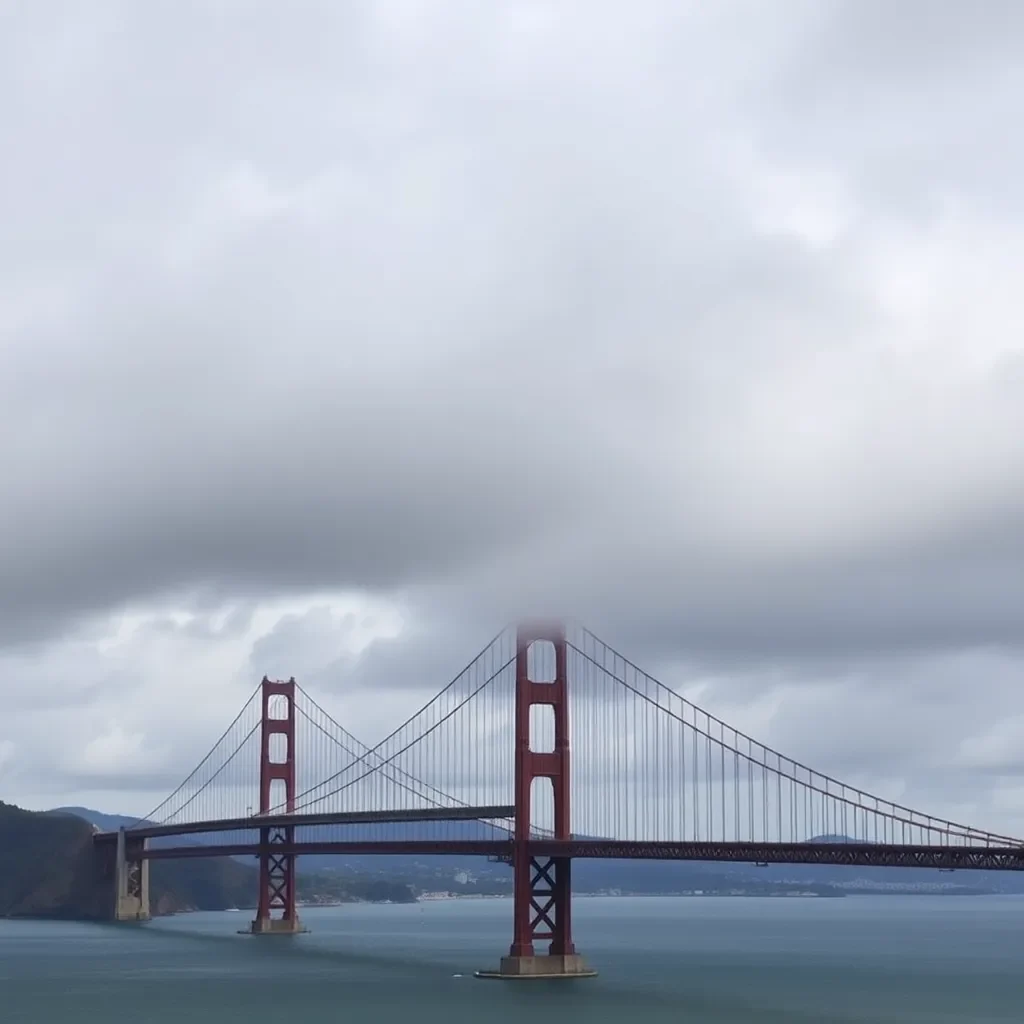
[(48, 868)]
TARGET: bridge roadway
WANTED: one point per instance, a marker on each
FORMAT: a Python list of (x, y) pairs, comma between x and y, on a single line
[(988, 858), (259, 821)]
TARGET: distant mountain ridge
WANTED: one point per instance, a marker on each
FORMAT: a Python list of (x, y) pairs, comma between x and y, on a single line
[(104, 822)]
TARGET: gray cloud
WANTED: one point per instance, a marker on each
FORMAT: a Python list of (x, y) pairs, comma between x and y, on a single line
[(702, 336)]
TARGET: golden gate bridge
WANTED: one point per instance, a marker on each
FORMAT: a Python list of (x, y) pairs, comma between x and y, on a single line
[(547, 747)]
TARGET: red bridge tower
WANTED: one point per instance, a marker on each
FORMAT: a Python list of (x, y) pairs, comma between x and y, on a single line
[(542, 900), (275, 913)]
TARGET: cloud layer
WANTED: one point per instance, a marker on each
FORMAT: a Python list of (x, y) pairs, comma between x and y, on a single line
[(340, 327)]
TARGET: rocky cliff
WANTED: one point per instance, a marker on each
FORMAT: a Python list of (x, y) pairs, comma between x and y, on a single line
[(47, 866)]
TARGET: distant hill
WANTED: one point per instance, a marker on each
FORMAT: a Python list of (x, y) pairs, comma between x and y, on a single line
[(46, 866)]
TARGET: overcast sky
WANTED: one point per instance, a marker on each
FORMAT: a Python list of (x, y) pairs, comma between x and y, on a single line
[(334, 336)]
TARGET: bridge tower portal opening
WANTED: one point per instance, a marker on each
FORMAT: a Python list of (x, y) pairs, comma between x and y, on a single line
[(275, 911)]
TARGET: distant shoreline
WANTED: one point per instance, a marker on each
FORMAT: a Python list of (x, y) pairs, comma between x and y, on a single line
[(473, 897)]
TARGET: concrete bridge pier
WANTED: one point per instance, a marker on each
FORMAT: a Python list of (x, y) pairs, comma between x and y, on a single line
[(541, 910), (131, 880), (275, 912)]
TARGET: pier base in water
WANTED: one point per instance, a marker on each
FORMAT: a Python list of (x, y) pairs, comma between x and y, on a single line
[(276, 926), (534, 968)]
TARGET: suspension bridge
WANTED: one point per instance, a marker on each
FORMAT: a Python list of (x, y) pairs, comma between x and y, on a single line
[(549, 746)]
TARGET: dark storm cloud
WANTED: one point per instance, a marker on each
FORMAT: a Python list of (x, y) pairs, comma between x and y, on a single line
[(401, 357)]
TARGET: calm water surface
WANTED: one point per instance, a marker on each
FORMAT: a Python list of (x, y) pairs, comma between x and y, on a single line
[(931, 960)]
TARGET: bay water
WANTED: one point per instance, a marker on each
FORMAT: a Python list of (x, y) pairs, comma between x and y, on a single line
[(704, 960)]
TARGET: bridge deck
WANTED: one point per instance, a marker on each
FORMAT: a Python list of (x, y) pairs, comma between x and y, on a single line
[(988, 858), (489, 813), (992, 858)]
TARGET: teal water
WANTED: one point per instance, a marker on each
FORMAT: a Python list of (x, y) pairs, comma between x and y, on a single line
[(932, 960)]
